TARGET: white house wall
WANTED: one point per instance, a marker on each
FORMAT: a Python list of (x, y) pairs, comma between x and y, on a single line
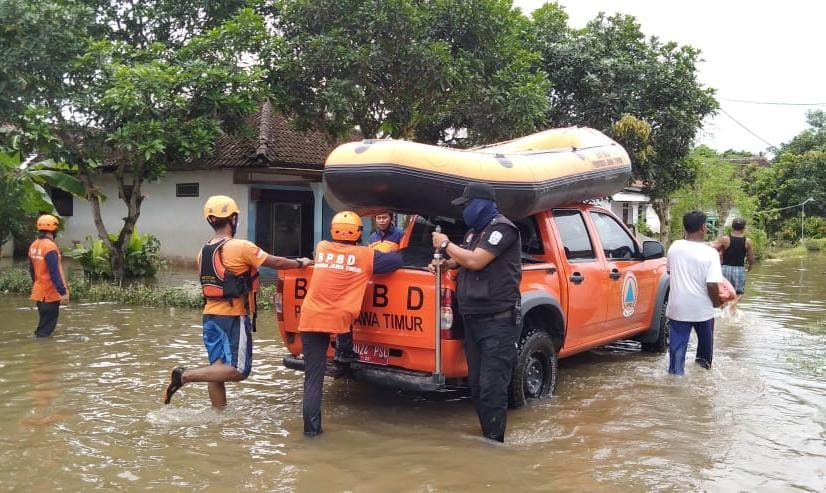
[(176, 221)]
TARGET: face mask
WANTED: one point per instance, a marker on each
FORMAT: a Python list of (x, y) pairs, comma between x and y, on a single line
[(479, 212)]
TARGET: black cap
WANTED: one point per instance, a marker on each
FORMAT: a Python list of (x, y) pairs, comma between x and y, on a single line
[(475, 190)]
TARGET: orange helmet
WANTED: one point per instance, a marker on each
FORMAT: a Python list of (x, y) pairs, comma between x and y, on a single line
[(220, 206), (47, 222), (346, 226)]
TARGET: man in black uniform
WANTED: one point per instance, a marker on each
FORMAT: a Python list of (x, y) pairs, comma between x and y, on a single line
[(489, 262)]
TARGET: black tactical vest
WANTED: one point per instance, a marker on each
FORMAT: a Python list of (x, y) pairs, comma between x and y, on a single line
[(495, 288)]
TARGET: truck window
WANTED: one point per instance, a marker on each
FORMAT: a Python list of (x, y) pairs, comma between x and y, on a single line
[(574, 234), (419, 251), (617, 244), (528, 233)]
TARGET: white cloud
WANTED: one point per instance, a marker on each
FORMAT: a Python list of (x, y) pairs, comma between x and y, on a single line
[(755, 51)]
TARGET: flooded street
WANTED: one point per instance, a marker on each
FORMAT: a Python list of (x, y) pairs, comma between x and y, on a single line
[(82, 411)]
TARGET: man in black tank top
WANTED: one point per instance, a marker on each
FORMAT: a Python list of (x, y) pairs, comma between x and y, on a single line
[(735, 249)]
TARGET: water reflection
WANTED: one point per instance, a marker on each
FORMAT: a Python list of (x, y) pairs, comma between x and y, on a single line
[(83, 411)]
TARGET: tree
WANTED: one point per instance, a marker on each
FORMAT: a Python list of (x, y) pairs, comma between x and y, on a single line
[(23, 187), (718, 187), (407, 69), (798, 172), (137, 86), (608, 74)]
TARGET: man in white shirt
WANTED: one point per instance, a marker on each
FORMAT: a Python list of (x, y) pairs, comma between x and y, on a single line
[(695, 271)]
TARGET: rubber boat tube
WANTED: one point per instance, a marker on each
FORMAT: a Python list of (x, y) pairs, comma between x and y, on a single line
[(529, 174)]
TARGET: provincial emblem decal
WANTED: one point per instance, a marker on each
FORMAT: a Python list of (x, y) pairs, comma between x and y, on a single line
[(629, 294)]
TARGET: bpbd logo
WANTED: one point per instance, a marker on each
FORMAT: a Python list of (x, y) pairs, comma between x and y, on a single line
[(629, 294)]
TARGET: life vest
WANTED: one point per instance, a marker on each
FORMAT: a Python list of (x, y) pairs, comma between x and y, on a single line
[(218, 282), (43, 288)]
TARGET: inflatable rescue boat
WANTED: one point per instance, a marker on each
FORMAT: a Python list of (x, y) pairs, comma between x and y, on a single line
[(529, 174)]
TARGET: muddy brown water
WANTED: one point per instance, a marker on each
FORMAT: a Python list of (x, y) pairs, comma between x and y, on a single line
[(82, 412)]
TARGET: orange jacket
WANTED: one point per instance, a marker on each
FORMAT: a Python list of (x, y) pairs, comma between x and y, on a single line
[(44, 288), (340, 277)]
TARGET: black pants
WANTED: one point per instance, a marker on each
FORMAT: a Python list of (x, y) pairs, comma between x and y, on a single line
[(48, 312), (315, 346), (490, 348)]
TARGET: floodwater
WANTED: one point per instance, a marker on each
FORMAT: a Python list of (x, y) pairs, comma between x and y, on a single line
[(82, 411)]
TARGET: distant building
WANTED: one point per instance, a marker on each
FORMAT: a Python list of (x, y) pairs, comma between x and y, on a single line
[(633, 207)]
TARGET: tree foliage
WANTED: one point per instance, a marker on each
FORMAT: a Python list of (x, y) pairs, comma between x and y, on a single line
[(24, 188), (138, 85), (610, 70), (407, 69), (719, 188), (797, 174)]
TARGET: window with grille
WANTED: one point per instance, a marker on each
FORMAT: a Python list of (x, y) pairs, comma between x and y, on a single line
[(186, 189)]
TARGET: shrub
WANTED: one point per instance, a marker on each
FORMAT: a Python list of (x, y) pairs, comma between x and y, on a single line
[(813, 245), (643, 229), (16, 281), (759, 241), (813, 227), (143, 257)]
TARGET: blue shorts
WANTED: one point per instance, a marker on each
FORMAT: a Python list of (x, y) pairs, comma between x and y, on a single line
[(736, 275), (226, 341)]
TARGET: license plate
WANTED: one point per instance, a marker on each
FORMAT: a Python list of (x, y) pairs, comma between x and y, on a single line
[(368, 353)]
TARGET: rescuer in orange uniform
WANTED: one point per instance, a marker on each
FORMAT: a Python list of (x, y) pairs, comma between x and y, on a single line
[(342, 269), (45, 266), (229, 280)]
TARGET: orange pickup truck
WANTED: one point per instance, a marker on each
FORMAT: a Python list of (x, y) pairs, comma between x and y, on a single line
[(586, 282)]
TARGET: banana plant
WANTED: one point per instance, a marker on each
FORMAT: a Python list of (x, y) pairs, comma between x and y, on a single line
[(33, 176)]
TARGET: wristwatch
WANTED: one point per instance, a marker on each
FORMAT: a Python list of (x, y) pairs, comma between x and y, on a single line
[(444, 245)]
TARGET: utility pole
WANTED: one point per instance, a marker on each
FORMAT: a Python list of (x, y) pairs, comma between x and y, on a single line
[(803, 216)]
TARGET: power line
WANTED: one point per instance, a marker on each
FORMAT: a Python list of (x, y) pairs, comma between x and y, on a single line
[(787, 207), (747, 129), (775, 103)]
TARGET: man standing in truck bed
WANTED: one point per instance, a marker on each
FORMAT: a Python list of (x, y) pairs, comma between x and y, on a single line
[(489, 262)]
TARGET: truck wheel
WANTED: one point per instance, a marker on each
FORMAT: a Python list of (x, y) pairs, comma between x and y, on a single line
[(661, 344), (534, 374)]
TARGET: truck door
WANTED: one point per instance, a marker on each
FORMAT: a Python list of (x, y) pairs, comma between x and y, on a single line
[(585, 275), (631, 281)]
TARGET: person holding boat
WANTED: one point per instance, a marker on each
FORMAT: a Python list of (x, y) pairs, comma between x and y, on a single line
[(490, 269), (386, 237), (735, 250), (45, 267), (229, 280), (342, 270), (694, 292)]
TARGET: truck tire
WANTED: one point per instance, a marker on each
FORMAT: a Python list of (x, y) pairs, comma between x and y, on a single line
[(534, 374), (661, 344)]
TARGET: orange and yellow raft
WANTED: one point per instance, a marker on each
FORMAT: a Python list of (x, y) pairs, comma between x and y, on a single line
[(529, 174)]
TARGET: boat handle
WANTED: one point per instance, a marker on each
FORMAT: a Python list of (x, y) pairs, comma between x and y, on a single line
[(615, 274), (576, 278)]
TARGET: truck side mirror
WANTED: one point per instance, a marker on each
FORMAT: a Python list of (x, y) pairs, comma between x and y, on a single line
[(652, 249)]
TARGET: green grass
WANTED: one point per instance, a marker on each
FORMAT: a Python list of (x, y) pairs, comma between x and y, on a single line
[(808, 247), (17, 281)]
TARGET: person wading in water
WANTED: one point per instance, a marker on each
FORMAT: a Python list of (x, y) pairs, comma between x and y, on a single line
[(229, 280)]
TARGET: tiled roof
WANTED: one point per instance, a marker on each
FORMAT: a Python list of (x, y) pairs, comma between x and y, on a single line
[(276, 145)]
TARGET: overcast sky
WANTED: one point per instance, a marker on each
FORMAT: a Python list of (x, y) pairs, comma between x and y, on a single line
[(759, 51)]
